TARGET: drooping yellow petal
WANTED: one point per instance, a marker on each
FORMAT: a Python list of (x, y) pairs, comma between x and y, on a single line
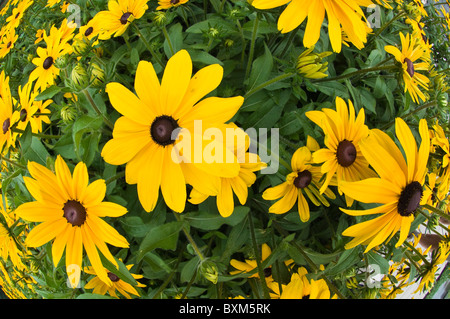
[(149, 180), (44, 232), (371, 190), (173, 185)]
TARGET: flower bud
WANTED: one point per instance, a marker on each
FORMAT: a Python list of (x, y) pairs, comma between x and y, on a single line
[(80, 79), (97, 75), (67, 114), (209, 271)]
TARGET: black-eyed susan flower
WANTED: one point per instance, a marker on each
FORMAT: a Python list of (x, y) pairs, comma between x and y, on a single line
[(7, 136), (249, 265), (115, 21), (399, 187), (7, 42), (45, 72), (300, 287), (117, 285), (69, 211), (303, 182), (412, 58), (167, 4), (147, 137), (345, 15), (341, 158), (25, 114)]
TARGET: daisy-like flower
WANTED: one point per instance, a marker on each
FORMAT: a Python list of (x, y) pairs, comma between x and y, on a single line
[(300, 287), (238, 184), (304, 181), (7, 137), (115, 21), (101, 288), (343, 15), (167, 4), (162, 114), (46, 71), (250, 265), (7, 42), (399, 187), (27, 109), (8, 246), (412, 58), (342, 158), (70, 212), (16, 16)]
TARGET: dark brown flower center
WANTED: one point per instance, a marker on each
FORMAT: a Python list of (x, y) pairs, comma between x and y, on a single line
[(174, 2), (8, 45), (113, 277), (346, 153), (409, 199), (88, 31), (6, 125), (23, 115), (162, 128), (74, 212), (124, 17), (303, 179), (48, 62), (267, 272), (409, 67)]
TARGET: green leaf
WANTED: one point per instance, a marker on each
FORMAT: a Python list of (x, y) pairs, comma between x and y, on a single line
[(212, 221), (163, 236), (261, 69), (134, 226), (189, 269), (82, 125), (377, 259), (348, 258), (48, 93), (123, 272)]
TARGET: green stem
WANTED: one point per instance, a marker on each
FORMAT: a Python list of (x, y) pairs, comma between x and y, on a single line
[(252, 46), (420, 108), (96, 109), (358, 72), (148, 46), (418, 253), (269, 82), (258, 256), (436, 210), (169, 42), (115, 177), (9, 161), (191, 240), (41, 135)]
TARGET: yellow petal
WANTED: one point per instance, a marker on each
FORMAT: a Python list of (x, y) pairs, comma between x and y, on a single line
[(149, 180), (147, 85), (107, 209), (175, 82), (371, 190), (105, 232), (173, 185), (408, 143), (128, 104), (44, 232)]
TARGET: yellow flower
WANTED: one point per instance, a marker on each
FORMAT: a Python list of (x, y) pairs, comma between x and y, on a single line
[(70, 212), (342, 158), (166, 4), (46, 71), (7, 137), (398, 188), (300, 287), (409, 57), (115, 21), (345, 15), (250, 265), (27, 109), (303, 181), (7, 42), (147, 137), (310, 64), (101, 288)]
